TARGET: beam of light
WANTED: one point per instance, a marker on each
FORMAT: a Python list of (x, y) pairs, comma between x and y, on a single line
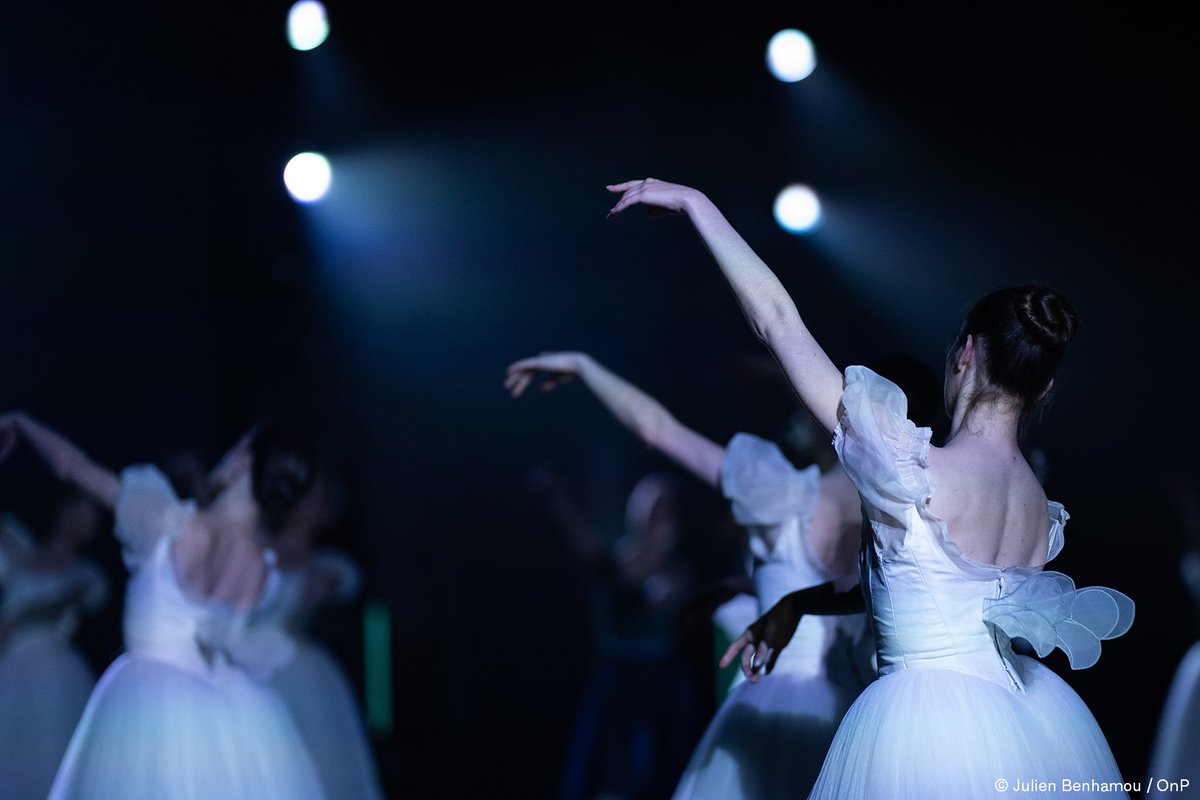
[(307, 25), (797, 209), (307, 177), (790, 55)]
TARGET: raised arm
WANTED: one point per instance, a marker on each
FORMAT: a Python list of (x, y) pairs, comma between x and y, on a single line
[(66, 461), (768, 308), (633, 408)]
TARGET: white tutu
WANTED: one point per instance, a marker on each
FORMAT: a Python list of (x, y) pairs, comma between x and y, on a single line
[(154, 730), (946, 735), (327, 712), (312, 683), (768, 738), (44, 681), (179, 715), (44, 686)]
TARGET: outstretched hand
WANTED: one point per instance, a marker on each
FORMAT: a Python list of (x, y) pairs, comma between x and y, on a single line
[(660, 197), (557, 368), (761, 643)]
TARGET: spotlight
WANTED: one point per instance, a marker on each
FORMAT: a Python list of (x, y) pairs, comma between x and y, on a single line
[(790, 55), (797, 209), (307, 177), (307, 25)]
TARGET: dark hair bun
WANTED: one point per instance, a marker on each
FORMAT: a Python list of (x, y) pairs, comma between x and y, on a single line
[(284, 469), (1047, 316), (1023, 332)]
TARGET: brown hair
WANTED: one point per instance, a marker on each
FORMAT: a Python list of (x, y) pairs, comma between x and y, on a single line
[(1021, 334)]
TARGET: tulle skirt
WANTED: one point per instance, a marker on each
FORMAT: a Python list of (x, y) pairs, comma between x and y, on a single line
[(44, 687), (155, 731), (938, 734), (326, 711), (768, 738)]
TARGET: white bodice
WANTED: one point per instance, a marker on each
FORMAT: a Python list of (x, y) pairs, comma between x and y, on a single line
[(774, 501), (930, 605), (162, 620)]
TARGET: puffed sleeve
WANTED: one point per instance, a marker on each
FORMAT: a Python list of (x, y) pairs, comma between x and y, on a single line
[(883, 452), (763, 487), (146, 510)]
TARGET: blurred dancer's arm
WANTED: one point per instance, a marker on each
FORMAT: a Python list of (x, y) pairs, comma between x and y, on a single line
[(545, 481), (644, 416), (65, 460)]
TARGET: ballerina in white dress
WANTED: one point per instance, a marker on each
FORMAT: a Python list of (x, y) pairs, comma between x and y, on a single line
[(48, 588), (952, 565), (767, 739), (185, 712), (312, 683)]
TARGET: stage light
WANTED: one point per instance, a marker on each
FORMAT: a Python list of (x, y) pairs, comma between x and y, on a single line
[(797, 209), (790, 55), (307, 25), (307, 177)]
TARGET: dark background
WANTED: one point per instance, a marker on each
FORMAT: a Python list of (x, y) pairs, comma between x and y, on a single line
[(161, 291)]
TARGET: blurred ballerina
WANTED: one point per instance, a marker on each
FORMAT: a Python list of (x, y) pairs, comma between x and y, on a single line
[(767, 739), (636, 720), (185, 712), (312, 682), (47, 586)]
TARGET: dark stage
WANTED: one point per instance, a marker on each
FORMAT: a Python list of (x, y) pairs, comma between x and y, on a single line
[(161, 291)]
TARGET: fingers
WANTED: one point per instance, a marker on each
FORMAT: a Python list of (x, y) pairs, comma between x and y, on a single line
[(518, 383), (520, 374), (772, 657), (755, 655), (732, 651), (523, 365), (631, 193), (759, 659), (625, 202), (627, 185)]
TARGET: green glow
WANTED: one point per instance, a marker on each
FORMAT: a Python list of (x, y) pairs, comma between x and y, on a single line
[(377, 645)]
